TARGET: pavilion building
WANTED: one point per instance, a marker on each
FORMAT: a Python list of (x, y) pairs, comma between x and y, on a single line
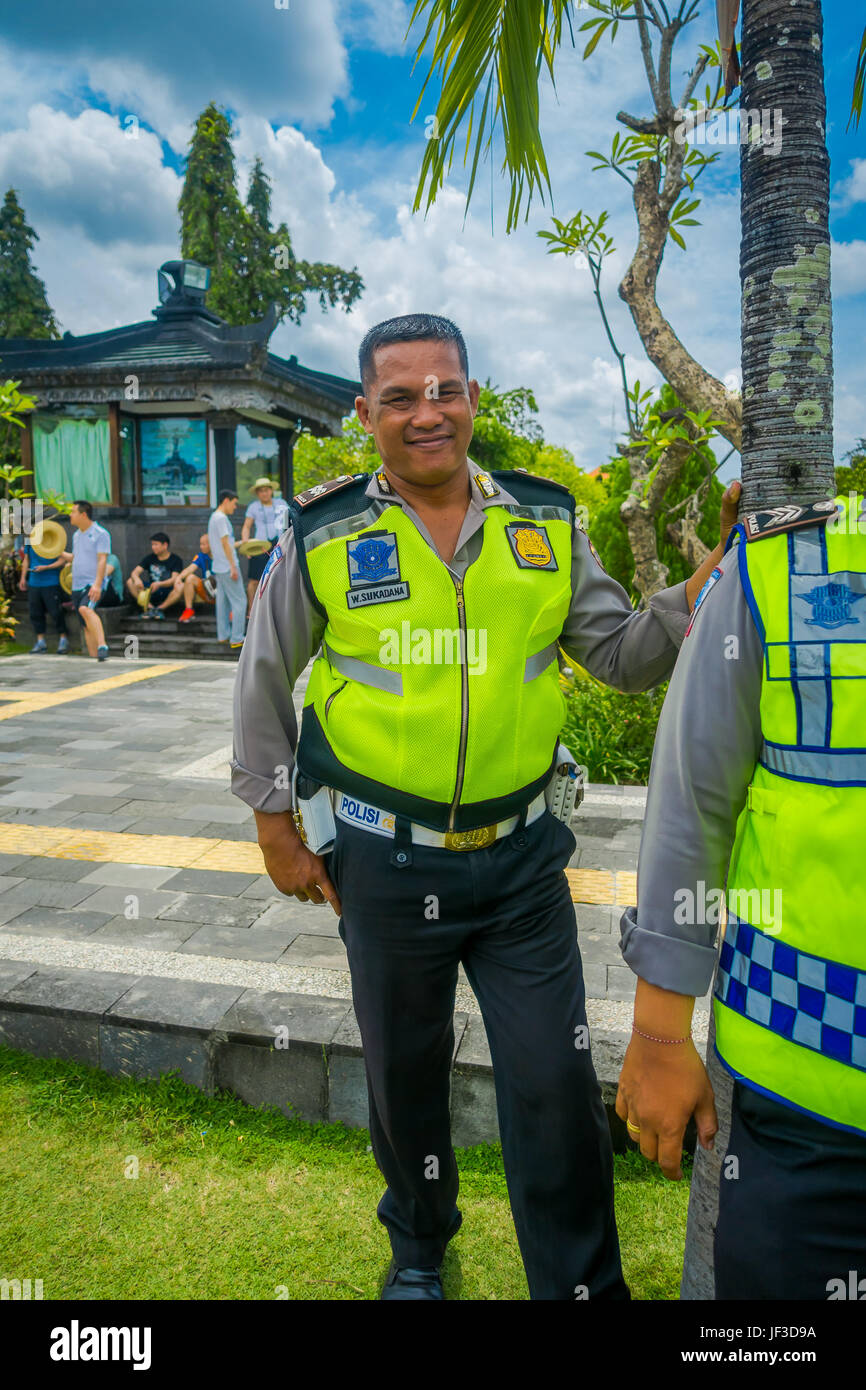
[(150, 421)]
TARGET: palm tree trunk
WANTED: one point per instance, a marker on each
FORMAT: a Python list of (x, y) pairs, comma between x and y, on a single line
[(787, 443)]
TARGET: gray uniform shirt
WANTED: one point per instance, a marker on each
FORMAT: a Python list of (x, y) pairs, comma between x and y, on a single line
[(708, 742), (603, 633)]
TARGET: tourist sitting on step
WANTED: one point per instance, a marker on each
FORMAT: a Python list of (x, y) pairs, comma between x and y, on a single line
[(196, 581), (112, 584), (156, 572)]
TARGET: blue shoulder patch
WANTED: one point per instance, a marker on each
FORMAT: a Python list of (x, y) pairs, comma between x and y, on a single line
[(274, 559), (708, 584)]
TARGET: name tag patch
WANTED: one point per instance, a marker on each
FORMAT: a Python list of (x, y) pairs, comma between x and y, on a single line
[(378, 593), (530, 546), (374, 570)]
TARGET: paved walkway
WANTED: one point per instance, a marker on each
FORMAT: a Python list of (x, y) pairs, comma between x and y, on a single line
[(123, 849)]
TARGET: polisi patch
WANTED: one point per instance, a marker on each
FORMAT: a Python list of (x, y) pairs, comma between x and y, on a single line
[(355, 812), (530, 546), (374, 570)]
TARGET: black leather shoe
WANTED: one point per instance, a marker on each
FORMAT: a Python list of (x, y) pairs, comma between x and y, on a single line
[(412, 1283)]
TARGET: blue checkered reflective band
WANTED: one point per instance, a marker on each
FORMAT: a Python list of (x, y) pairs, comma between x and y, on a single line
[(806, 999)]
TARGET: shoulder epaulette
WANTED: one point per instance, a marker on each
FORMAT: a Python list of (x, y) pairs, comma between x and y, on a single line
[(535, 478), (773, 520), (312, 494)]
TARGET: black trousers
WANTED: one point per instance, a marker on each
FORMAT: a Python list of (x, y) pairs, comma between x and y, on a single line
[(792, 1212), (506, 913), (44, 603)]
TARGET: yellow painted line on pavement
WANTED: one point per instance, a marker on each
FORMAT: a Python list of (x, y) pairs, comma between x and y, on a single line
[(233, 856), (118, 847), (46, 699), (602, 887)]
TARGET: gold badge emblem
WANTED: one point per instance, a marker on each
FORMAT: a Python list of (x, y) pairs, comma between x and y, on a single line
[(532, 547), (470, 839)]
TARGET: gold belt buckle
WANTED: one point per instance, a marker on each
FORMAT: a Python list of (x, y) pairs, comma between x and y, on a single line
[(479, 838)]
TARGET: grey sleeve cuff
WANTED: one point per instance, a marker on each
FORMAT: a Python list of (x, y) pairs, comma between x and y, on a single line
[(259, 792), (671, 608), (685, 967)]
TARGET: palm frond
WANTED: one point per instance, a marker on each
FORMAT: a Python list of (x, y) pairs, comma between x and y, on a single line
[(859, 81), (485, 52)]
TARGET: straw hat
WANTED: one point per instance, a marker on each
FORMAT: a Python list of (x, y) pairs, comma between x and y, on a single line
[(48, 539), (144, 598), (66, 578), (253, 547), (262, 482)]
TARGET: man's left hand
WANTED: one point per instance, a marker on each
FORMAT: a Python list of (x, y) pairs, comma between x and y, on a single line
[(94, 593), (661, 1086)]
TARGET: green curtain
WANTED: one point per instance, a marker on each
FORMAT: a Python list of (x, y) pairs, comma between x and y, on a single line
[(72, 457)]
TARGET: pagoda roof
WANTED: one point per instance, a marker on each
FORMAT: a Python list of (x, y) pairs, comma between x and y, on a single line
[(181, 341)]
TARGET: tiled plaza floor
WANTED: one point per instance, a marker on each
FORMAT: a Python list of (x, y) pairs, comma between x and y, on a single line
[(123, 849)]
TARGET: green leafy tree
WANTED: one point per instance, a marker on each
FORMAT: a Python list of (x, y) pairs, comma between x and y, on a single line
[(852, 478), (506, 433), (24, 308), (273, 273), (317, 459), (213, 223), (252, 264)]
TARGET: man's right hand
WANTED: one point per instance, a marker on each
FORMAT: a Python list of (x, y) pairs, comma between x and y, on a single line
[(235, 573), (291, 867)]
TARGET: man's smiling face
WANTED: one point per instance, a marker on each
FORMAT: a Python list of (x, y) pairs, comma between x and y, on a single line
[(420, 410)]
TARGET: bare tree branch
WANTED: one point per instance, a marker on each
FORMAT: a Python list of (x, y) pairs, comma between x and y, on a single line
[(646, 49), (642, 125)]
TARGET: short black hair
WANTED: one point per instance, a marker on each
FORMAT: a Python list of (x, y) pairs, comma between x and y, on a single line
[(160, 536), (408, 328), (225, 494), (84, 507)]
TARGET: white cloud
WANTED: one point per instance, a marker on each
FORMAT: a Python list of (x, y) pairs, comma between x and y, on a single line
[(852, 189), (166, 63), (376, 24), (87, 172), (848, 268)]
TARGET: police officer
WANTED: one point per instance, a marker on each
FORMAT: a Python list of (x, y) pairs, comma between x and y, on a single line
[(436, 595), (759, 778)]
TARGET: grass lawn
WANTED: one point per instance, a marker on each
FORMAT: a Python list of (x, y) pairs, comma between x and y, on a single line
[(14, 648), (235, 1203)]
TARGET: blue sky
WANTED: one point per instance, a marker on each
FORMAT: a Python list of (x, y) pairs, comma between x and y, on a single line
[(95, 117)]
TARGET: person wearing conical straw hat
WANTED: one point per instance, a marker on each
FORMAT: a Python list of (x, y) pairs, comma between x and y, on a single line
[(40, 579), (269, 516)]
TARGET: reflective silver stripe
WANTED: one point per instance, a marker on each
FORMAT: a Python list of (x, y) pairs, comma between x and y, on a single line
[(831, 766), (363, 672), (809, 554), (540, 662)]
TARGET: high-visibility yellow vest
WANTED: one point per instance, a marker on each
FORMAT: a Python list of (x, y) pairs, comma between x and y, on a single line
[(790, 998), (436, 700)]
